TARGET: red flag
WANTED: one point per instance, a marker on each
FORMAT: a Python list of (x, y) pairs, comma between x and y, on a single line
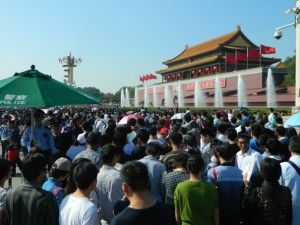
[(141, 79), (253, 54), (230, 58), (145, 77), (267, 50), (241, 56), (149, 77), (153, 76)]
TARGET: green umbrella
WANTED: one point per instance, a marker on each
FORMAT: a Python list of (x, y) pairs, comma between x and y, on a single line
[(34, 89)]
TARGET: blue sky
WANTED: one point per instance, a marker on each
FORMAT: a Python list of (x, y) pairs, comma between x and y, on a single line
[(120, 40)]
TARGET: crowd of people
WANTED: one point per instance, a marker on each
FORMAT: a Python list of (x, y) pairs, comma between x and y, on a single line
[(84, 166)]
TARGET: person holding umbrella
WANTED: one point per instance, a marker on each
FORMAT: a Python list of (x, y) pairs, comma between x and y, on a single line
[(42, 136)]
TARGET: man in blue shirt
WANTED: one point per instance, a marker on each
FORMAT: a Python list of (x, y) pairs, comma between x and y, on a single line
[(229, 182), (58, 174), (42, 136)]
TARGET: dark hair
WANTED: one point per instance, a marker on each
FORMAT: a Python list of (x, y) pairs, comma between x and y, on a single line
[(215, 142), (225, 151), (183, 130), (262, 140), (131, 122), (4, 168), (222, 128), (84, 174), (187, 117), (256, 130), (135, 175), (152, 130), (244, 136), (108, 152), (290, 132), (270, 169), (153, 148), (279, 120), (55, 173), (105, 139), (281, 131), (65, 142), (206, 132), (10, 146), (140, 121), (273, 146), (231, 134), (176, 138), (180, 160), (32, 165), (195, 164), (93, 139), (295, 144), (71, 186), (233, 120), (120, 138), (176, 127), (86, 126), (143, 135)]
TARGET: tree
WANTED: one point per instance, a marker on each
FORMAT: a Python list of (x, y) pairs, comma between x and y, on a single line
[(92, 91), (290, 64)]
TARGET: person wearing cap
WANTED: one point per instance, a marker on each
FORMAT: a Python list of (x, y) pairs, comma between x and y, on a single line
[(42, 137), (162, 134), (229, 182), (58, 175)]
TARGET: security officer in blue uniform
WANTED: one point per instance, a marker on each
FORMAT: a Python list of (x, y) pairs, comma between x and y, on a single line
[(42, 136)]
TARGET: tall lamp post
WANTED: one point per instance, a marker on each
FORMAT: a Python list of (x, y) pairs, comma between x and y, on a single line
[(278, 35), (69, 62), (297, 73)]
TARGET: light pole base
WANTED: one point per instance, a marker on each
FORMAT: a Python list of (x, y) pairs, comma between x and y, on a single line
[(295, 109)]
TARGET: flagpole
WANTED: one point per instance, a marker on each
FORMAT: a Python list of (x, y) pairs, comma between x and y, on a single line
[(235, 61), (226, 62), (247, 59), (260, 55)]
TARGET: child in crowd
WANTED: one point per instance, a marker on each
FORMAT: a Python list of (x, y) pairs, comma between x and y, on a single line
[(13, 159)]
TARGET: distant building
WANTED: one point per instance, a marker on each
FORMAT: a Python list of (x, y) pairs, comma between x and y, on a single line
[(227, 57)]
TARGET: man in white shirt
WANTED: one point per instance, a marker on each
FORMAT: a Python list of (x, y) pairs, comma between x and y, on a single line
[(76, 208), (101, 124), (247, 159), (291, 177), (109, 181)]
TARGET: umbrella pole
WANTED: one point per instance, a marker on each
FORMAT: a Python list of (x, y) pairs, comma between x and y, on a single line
[(31, 128)]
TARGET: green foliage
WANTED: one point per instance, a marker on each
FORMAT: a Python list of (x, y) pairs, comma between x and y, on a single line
[(291, 67), (92, 91)]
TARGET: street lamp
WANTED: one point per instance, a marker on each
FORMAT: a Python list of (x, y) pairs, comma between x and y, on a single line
[(69, 62), (278, 35)]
